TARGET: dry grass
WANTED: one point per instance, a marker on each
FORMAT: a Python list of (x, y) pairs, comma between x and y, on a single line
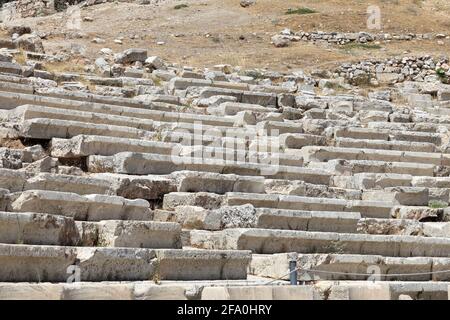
[(20, 57), (241, 36), (302, 10), (12, 143), (64, 66)]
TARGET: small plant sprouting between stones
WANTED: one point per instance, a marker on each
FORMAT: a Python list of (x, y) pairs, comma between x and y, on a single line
[(364, 46), (436, 204), (156, 277), (302, 10), (442, 76), (335, 247), (180, 6)]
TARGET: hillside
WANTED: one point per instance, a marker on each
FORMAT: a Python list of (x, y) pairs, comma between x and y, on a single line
[(208, 32)]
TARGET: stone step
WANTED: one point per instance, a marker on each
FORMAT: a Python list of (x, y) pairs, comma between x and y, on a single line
[(7, 82), (261, 292), (388, 135), (31, 263), (431, 182), (225, 290), (408, 196), (280, 127), (202, 131), (164, 290), (354, 167), (42, 128), (119, 101), (13, 100), (93, 207), (312, 153), (178, 83), (279, 241), (246, 216), (407, 226), (370, 209), (418, 126), (10, 68), (385, 290), (365, 181), (16, 87), (233, 108), (243, 155), (28, 112), (337, 267), (386, 145), (49, 229), (217, 88), (150, 187), (85, 145), (291, 140), (135, 234), (326, 221), (146, 163)]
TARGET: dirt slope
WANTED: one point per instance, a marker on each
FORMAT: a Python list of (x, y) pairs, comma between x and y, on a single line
[(208, 32)]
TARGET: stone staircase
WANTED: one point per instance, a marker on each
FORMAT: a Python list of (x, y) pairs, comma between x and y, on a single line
[(156, 198)]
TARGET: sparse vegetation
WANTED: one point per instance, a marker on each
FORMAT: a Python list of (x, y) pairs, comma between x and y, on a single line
[(363, 46), (336, 247), (158, 136), (180, 6), (437, 204), (156, 277), (64, 66), (20, 57), (442, 76), (302, 10)]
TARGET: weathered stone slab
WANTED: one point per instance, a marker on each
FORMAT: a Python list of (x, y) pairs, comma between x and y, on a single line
[(192, 181), (246, 216), (146, 163), (27, 112), (69, 183), (312, 153), (53, 128), (345, 267), (150, 187), (408, 196), (327, 221), (90, 207), (35, 228), (371, 181), (278, 241), (418, 213), (12, 180), (233, 108), (139, 234), (84, 145), (354, 167), (274, 157), (391, 227), (26, 263), (386, 145), (69, 100), (259, 293), (280, 127), (28, 291)]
